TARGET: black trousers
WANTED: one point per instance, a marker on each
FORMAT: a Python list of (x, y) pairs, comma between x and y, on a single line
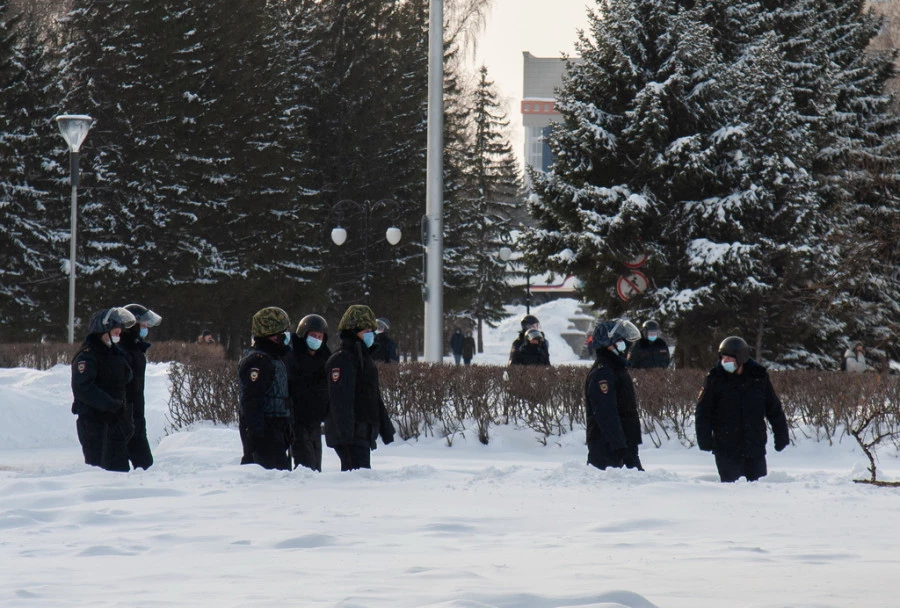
[(731, 468), (599, 457), (354, 457), (271, 451), (104, 444), (307, 447), (139, 447)]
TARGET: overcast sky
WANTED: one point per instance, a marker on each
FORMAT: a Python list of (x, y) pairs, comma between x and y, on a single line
[(541, 27)]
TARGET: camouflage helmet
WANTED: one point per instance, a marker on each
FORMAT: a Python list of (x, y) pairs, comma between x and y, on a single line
[(357, 318), (270, 321)]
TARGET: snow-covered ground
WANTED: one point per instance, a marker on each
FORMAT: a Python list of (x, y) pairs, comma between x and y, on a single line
[(509, 525)]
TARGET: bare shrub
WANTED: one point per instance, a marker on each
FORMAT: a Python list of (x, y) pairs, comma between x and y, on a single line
[(37, 355), (203, 391)]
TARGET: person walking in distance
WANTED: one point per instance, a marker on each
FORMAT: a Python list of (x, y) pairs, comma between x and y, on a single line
[(651, 350), (613, 429), (734, 405), (100, 374), (135, 345), (265, 403), (308, 386), (356, 414)]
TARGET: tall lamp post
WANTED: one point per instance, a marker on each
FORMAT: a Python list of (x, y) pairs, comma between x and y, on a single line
[(366, 208), (74, 128)]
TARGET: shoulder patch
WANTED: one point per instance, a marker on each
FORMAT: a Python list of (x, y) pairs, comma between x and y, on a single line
[(82, 365), (604, 386), (335, 374), (254, 374)]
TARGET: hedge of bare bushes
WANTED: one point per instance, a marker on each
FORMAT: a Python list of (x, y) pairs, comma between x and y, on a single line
[(428, 400)]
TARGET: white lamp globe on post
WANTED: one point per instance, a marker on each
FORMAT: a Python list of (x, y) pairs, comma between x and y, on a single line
[(339, 236), (74, 129), (393, 235)]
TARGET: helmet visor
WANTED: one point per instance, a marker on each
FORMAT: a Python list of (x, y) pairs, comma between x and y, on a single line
[(118, 317), (625, 330), (150, 318)]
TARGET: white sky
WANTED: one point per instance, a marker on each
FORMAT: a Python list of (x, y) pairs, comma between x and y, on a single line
[(514, 524), (545, 28)]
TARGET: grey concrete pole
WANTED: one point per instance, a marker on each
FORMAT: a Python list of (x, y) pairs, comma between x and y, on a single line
[(74, 221), (434, 194)]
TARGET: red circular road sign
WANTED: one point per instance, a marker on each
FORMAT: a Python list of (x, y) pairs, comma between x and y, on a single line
[(638, 261), (631, 284)]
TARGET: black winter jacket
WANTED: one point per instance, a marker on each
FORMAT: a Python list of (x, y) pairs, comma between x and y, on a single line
[(134, 350), (610, 404), (263, 380), (524, 352), (646, 354), (354, 414), (732, 411), (100, 374), (308, 382)]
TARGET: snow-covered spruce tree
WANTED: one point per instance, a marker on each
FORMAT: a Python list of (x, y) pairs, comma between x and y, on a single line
[(648, 130), (32, 285), (856, 135), (491, 193)]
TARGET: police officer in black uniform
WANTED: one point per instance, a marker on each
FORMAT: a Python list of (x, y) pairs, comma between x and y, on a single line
[(356, 414), (265, 406), (308, 386), (100, 373), (134, 344), (651, 350), (385, 349), (613, 423), (530, 346), (732, 410)]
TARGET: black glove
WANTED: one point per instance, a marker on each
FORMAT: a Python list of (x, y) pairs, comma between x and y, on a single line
[(780, 444)]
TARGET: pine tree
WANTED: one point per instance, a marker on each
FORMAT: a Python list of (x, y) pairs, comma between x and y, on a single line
[(491, 193), (31, 281)]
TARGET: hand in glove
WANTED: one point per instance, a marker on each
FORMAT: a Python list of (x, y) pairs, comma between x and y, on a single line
[(780, 444)]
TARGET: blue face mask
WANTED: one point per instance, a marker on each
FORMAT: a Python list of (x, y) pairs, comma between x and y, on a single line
[(144, 332), (729, 366), (313, 343), (287, 338), (652, 337), (368, 339), (621, 346)]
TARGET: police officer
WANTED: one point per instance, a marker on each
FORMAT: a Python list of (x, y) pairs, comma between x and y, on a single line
[(613, 423), (356, 412), (265, 404), (732, 410), (385, 349), (134, 344), (651, 350), (530, 346), (308, 386), (100, 373)]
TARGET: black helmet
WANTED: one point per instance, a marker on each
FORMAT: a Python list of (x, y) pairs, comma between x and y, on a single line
[(110, 318), (311, 323), (735, 346), (383, 324), (529, 321), (650, 326), (610, 332), (142, 314)]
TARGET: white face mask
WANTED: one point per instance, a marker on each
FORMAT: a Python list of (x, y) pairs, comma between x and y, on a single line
[(115, 339)]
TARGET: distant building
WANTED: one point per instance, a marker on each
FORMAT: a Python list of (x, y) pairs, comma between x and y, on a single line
[(541, 77)]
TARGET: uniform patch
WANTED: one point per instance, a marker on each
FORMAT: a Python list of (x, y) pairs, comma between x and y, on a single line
[(604, 386), (254, 374), (82, 365), (335, 374)]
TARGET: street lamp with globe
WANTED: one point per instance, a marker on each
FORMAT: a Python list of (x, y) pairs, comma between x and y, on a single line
[(74, 129), (366, 208)]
